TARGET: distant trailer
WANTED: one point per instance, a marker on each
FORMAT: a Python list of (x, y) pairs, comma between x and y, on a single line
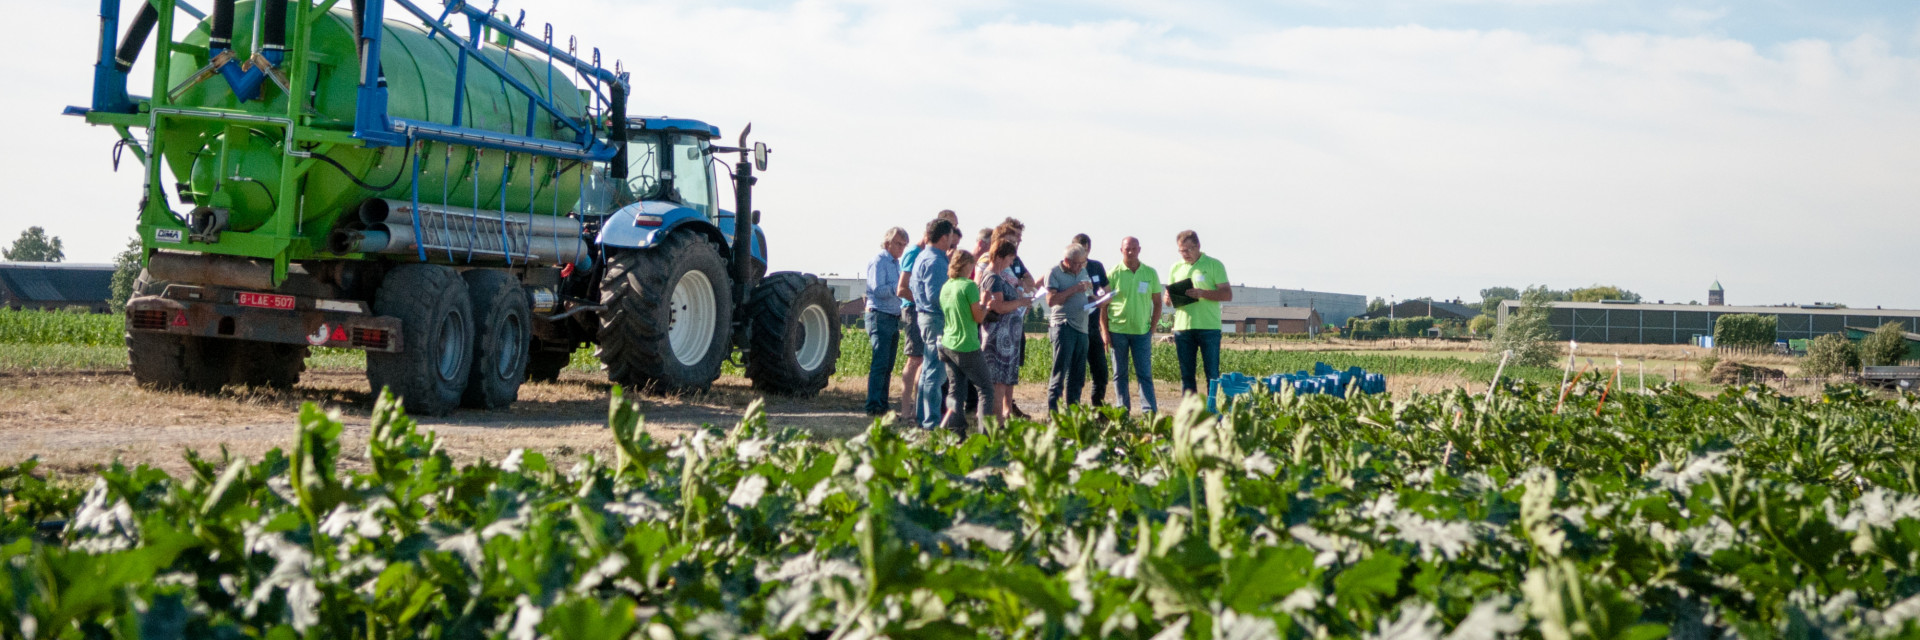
[(1902, 378)]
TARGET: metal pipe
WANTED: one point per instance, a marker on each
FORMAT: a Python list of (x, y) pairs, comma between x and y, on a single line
[(743, 223), (383, 211), (210, 269), (398, 239)]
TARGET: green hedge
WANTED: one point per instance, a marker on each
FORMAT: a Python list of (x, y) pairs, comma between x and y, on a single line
[(1745, 330)]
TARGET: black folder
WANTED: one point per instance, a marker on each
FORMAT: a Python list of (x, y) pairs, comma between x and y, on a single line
[(1177, 293)]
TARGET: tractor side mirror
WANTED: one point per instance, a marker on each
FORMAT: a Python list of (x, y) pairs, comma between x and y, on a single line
[(693, 153), (760, 152)]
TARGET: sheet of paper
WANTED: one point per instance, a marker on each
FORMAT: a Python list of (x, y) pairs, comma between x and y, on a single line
[(1099, 301)]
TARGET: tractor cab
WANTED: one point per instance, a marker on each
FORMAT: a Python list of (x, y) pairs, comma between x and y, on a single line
[(667, 161)]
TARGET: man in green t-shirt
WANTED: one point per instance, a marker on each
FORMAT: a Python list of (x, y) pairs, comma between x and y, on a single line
[(1127, 325), (1197, 284)]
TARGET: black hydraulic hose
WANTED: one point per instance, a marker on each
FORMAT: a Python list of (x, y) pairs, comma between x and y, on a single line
[(359, 18), (222, 35), (617, 99), (356, 179), (136, 38), (273, 34)]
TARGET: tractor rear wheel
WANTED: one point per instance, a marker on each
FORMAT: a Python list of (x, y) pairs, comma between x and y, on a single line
[(668, 312), (170, 362), (502, 326), (436, 328), (796, 334)]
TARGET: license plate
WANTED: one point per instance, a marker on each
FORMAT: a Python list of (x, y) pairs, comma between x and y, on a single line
[(266, 301)]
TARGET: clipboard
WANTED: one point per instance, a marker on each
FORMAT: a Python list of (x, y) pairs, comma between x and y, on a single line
[(1177, 293), (1096, 302)]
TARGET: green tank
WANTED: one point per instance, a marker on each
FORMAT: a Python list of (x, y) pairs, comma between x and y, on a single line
[(421, 74)]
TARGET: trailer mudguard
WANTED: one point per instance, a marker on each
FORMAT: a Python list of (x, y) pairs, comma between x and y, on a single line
[(642, 225)]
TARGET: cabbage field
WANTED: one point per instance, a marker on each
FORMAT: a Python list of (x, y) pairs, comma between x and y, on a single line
[(1742, 514)]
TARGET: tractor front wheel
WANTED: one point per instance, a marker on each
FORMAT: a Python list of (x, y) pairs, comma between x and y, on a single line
[(669, 307)]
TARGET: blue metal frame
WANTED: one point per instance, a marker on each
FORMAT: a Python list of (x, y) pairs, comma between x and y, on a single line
[(373, 125), (621, 230)]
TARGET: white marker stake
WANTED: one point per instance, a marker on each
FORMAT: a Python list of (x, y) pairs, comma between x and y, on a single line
[(1572, 347), (1504, 355)]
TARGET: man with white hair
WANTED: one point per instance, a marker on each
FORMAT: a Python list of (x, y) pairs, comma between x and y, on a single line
[(883, 317), (1067, 288)]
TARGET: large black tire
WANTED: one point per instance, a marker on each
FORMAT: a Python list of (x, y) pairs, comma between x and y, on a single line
[(436, 328), (637, 331), (268, 364), (168, 362), (503, 325), (796, 334), (545, 364)]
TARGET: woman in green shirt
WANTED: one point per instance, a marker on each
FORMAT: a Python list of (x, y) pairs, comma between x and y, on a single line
[(964, 308)]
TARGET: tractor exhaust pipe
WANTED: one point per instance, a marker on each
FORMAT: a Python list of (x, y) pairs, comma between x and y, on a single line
[(743, 223)]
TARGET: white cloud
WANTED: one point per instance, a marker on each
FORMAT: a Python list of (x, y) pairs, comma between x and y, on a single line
[(1407, 161), (1696, 17)]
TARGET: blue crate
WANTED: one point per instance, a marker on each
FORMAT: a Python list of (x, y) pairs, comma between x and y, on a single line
[(1229, 385)]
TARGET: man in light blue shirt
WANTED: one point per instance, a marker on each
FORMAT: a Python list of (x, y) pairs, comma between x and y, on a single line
[(883, 317), (929, 275)]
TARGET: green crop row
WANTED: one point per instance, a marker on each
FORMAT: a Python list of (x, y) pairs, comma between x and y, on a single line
[(61, 328), (1743, 514)]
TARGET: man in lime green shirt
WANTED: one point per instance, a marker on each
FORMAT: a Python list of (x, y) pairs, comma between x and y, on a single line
[(1127, 325), (1197, 285)]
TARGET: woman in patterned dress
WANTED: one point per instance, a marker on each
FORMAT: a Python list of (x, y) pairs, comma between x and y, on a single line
[(1001, 337)]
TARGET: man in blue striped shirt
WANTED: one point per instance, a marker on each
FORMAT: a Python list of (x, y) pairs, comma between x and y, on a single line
[(883, 317)]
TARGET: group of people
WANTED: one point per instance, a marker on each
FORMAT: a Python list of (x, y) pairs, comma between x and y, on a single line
[(964, 314)]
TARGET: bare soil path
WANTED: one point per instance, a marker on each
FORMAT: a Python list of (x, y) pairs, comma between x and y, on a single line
[(78, 421)]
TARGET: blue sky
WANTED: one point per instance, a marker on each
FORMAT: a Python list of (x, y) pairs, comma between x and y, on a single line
[(1371, 147)]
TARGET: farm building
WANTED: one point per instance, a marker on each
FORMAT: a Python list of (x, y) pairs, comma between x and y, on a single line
[(1251, 319), (845, 289), (56, 285), (1428, 309), (1334, 308), (1679, 323)]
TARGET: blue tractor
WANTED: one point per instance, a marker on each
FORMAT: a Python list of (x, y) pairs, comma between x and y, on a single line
[(683, 282)]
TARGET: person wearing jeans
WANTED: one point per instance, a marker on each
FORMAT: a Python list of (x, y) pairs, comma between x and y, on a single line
[(1128, 322), (929, 276), (1067, 289), (1202, 285), (963, 307), (883, 318), (1096, 339)]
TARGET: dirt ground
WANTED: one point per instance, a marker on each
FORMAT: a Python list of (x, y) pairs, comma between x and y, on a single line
[(79, 421)]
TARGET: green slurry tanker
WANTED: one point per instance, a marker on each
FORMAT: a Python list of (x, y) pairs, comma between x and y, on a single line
[(465, 201)]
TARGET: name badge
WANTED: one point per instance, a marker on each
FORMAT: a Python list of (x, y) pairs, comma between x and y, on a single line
[(1199, 278), (1143, 288)]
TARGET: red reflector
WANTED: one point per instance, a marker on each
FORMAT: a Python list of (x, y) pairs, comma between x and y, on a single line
[(648, 221), (180, 319), (369, 338), (339, 335), (149, 319)]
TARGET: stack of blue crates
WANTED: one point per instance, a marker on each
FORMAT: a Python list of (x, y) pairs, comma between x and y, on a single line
[(1324, 379)]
